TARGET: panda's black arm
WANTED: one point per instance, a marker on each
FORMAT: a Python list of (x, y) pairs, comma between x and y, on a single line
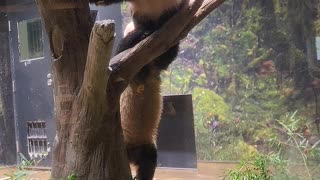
[(131, 40)]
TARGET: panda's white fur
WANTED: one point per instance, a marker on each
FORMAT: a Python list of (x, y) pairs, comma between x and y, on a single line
[(129, 28), (152, 9)]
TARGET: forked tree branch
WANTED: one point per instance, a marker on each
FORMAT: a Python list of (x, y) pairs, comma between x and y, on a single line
[(99, 53), (126, 64)]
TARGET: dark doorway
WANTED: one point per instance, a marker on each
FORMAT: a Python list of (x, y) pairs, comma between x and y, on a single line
[(176, 139)]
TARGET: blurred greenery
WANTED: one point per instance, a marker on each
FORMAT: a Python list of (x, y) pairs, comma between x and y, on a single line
[(251, 68), (257, 167)]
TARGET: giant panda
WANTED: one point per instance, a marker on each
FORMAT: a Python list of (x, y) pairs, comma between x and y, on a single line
[(141, 102)]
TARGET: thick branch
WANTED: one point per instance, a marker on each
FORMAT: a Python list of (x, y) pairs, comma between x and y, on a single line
[(207, 7), (99, 55), (128, 63), (90, 105), (96, 132)]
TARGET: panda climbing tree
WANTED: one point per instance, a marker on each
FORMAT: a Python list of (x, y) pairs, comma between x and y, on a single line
[(108, 109), (141, 102)]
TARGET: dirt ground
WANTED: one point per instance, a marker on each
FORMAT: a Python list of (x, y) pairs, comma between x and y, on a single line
[(205, 171)]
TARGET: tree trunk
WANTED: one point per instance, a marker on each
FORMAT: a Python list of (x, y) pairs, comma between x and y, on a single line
[(88, 143), (7, 130)]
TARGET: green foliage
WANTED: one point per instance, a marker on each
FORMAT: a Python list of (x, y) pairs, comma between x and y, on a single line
[(294, 145), (256, 170), (235, 151), (247, 62), (207, 103), (259, 167), (72, 177), (21, 173), (259, 59), (177, 80)]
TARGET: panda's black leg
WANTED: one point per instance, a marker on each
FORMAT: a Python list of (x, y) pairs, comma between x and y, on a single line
[(145, 158), (133, 38), (164, 60)]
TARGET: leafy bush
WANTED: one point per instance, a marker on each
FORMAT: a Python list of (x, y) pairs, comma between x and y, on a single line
[(259, 167)]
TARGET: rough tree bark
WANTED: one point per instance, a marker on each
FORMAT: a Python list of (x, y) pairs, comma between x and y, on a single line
[(89, 141)]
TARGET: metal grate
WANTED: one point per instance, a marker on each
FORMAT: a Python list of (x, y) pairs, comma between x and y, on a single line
[(30, 40), (37, 139)]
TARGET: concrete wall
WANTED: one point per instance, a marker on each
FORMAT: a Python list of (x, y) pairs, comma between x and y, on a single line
[(7, 125)]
